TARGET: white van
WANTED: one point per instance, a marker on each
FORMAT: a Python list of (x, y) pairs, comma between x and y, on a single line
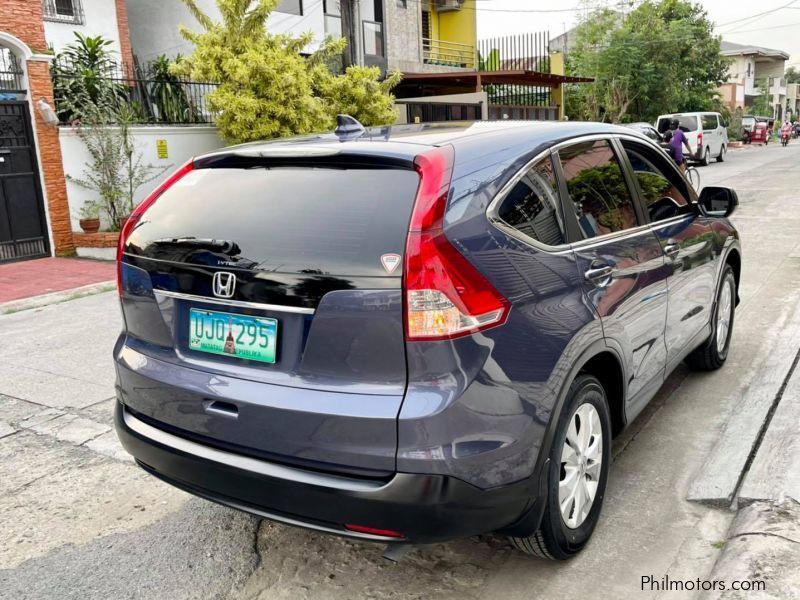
[(706, 133)]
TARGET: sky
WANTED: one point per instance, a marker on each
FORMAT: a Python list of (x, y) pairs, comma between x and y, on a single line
[(736, 20)]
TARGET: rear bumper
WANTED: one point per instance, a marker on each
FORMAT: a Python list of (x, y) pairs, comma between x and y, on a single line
[(424, 508)]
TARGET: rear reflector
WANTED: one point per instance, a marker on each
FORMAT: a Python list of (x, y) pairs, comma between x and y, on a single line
[(129, 225), (373, 530), (445, 296)]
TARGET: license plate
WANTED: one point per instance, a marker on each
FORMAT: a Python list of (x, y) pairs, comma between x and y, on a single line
[(226, 334)]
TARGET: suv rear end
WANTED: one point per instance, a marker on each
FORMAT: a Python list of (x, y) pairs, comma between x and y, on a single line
[(268, 315), (690, 124)]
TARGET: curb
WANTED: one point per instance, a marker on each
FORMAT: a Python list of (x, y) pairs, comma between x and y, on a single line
[(56, 297), (763, 548)]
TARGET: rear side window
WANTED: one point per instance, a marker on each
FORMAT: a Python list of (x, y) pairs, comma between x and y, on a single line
[(663, 190), (313, 220), (532, 207), (710, 122), (598, 192)]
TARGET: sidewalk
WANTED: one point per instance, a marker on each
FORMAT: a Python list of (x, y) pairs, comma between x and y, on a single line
[(33, 278)]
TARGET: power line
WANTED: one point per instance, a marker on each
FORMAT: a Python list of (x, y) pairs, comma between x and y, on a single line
[(761, 14)]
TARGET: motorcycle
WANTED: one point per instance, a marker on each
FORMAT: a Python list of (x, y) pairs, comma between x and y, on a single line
[(785, 138)]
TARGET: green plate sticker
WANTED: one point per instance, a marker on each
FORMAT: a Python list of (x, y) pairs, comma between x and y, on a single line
[(226, 334)]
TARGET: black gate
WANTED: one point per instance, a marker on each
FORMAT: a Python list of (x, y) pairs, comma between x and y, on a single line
[(23, 230)]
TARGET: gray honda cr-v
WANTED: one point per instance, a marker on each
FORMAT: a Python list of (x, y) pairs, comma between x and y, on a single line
[(413, 334)]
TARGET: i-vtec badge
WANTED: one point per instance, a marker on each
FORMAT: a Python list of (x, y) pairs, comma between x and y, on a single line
[(224, 284), (390, 262)]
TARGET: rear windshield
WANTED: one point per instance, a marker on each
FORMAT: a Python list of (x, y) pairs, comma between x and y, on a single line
[(337, 221), (685, 122)]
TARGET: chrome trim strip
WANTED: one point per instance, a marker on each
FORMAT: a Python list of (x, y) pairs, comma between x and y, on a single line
[(246, 463), (240, 303)]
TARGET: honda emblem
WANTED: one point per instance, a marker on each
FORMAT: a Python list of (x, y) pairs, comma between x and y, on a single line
[(224, 284)]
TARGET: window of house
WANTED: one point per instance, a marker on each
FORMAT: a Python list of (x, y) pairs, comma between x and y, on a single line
[(663, 190), (532, 206), (597, 189), (64, 11), (292, 7)]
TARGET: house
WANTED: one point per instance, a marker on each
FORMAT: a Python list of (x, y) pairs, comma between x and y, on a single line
[(754, 68), (409, 35), (34, 211)]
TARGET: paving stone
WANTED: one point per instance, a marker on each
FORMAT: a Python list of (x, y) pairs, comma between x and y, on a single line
[(6, 429), (48, 414), (79, 431), (108, 445)]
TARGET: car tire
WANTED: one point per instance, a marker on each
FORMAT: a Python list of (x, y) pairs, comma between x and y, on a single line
[(706, 160), (721, 157), (574, 455), (712, 354)]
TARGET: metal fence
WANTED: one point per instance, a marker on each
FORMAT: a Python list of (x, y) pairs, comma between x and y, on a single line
[(11, 75), (432, 112), (525, 52), (151, 92), (63, 11)]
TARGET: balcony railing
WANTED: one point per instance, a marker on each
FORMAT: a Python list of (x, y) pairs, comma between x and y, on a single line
[(448, 54), (63, 11)]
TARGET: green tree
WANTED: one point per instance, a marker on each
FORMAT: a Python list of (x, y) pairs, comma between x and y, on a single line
[(663, 57), (792, 75), (267, 88)]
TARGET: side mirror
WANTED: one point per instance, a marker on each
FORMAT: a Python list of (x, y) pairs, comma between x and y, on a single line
[(718, 201)]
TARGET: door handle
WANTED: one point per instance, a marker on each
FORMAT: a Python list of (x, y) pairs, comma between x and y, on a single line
[(671, 250), (600, 276)]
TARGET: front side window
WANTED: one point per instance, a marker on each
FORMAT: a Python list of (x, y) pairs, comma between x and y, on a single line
[(598, 192), (532, 207), (710, 122), (664, 192)]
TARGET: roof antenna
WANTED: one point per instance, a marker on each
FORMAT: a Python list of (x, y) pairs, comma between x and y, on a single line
[(348, 128)]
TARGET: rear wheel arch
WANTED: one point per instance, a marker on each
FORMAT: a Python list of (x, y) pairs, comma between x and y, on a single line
[(606, 367)]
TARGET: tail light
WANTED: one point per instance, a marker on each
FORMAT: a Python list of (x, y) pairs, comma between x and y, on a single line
[(129, 225), (699, 141), (445, 296)]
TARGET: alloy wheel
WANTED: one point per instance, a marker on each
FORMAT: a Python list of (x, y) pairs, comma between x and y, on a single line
[(581, 465)]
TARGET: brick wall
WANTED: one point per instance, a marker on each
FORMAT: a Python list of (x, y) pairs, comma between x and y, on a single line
[(124, 34), (23, 19), (40, 86)]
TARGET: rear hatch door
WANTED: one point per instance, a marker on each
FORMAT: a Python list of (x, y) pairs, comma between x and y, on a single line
[(265, 297)]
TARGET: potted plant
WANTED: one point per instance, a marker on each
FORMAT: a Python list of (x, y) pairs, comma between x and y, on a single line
[(90, 216)]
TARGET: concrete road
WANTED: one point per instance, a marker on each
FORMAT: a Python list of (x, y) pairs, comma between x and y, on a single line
[(79, 520)]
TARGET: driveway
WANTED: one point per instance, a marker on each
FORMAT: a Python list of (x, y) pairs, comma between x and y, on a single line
[(80, 520)]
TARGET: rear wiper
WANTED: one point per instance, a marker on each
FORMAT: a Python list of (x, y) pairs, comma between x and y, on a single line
[(201, 242), (227, 247)]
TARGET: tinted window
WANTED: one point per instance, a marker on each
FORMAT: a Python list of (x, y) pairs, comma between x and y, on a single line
[(597, 189), (710, 121), (685, 122), (532, 205), (337, 221), (663, 190), (293, 7)]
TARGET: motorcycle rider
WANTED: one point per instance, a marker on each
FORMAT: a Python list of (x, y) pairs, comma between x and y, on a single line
[(786, 132)]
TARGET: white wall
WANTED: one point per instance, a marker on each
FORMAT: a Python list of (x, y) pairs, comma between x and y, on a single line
[(100, 18), (154, 25), (182, 144)]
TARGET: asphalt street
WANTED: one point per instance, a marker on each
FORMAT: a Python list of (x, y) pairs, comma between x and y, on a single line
[(80, 520)]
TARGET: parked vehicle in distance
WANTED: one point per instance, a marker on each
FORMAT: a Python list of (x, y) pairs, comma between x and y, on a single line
[(647, 130), (706, 133), (760, 134), (381, 334)]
